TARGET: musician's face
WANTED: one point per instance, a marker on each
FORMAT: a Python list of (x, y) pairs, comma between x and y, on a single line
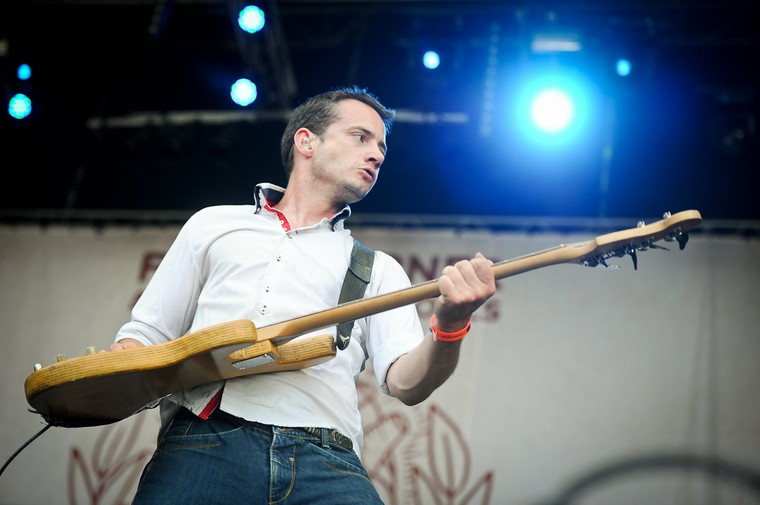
[(348, 155)]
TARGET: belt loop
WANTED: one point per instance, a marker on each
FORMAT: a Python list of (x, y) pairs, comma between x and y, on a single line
[(325, 437)]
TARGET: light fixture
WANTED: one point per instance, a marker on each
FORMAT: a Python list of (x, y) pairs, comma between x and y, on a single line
[(555, 43)]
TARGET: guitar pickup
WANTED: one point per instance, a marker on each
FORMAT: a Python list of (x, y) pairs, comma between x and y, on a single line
[(263, 359), (258, 354), (265, 356)]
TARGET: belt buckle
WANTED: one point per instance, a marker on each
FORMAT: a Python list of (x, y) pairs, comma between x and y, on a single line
[(332, 435)]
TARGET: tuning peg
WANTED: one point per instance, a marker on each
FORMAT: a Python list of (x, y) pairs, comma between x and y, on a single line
[(682, 238), (644, 245), (89, 350), (37, 367), (678, 236), (60, 357)]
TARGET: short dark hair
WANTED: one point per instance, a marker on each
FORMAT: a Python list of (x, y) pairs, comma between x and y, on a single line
[(318, 112)]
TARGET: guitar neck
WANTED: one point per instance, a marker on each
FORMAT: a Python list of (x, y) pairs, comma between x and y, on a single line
[(285, 331), (592, 252)]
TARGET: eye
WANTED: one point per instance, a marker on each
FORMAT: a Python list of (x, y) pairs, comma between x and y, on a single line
[(362, 137)]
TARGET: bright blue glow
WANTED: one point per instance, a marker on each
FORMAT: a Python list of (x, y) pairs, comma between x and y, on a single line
[(623, 67), (251, 19), (24, 72), (431, 60), (552, 110), (243, 92), (19, 106)]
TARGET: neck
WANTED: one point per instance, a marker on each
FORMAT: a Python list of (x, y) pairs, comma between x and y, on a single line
[(303, 209)]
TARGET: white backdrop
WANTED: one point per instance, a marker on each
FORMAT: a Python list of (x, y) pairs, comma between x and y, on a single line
[(568, 370)]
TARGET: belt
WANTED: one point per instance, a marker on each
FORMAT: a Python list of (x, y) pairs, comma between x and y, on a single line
[(331, 435)]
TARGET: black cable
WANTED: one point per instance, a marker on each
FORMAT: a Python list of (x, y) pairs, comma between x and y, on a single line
[(723, 470), (18, 451)]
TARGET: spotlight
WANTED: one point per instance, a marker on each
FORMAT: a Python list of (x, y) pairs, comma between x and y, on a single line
[(243, 92), (623, 67), (553, 107), (552, 110), (251, 19), (24, 72), (431, 60), (19, 106)]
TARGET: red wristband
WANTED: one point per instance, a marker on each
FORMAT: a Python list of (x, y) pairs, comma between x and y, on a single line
[(448, 336)]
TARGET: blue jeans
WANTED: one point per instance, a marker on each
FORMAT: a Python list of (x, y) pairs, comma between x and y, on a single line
[(226, 460)]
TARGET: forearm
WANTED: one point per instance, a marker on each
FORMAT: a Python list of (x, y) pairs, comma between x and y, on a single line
[(414, 376), (464, 287)]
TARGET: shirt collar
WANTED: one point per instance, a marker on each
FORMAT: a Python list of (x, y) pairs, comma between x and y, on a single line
[(266, 192)]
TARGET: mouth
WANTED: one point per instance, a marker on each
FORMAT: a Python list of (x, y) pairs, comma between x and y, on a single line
[(371, 172)]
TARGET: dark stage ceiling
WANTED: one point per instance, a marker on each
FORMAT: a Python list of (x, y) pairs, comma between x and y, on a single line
[(132, 106)]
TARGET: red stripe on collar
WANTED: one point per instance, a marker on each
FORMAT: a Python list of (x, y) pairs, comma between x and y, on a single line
[(283, 220)]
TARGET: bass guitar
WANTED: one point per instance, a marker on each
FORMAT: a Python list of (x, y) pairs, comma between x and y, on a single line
[(104, 387)]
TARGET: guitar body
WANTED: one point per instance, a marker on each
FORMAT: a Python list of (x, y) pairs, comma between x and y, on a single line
[(103, 388), (106, 387)]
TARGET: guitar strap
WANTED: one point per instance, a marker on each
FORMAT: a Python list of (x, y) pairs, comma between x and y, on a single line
[(354, 285)]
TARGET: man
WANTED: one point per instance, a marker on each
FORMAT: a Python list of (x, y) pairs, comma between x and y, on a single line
[(293, 436)]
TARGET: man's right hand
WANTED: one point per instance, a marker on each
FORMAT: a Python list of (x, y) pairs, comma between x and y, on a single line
[(125, 343)]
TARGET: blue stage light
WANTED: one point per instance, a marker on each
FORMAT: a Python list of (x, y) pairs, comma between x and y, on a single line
[(251, 19), (552, 110), (19, 106), (243, 92), (623, 67), (24, 72), (431, 60)]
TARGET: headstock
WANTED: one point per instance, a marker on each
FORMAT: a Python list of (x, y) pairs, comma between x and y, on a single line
[(672, 228)]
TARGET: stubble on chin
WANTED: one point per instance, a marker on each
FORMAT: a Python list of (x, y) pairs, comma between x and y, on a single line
[(355, 192), (346, 190)]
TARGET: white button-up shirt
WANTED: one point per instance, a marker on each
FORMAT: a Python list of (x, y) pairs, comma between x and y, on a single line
[(238, 262)]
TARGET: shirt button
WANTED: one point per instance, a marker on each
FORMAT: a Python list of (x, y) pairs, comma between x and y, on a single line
[(267, 289), (279, 258), (263, 310)]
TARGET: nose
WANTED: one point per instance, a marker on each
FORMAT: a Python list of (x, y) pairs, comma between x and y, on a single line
[(376, 156)]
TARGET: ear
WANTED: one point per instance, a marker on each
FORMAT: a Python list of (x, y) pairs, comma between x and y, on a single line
[(302, 140)]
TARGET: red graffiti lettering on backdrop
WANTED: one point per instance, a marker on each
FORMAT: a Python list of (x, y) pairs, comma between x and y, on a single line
[(109, 473), (415, 466), (150, 262), (419, 271), (148, 266), (423, 269)]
